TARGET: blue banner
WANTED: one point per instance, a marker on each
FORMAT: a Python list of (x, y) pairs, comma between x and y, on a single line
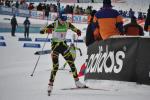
[(3, 44), (31, 45), (1, 38), (24, 39), (42, 40)]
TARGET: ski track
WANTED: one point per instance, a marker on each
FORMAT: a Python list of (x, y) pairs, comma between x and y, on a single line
[(17, 63)]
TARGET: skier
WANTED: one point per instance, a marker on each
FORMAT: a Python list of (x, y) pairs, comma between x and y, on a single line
[(72, 50), (26, 27), (14, 24), (59, 46)]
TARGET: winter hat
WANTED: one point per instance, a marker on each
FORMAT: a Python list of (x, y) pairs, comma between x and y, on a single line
[(107, 3), (63, 18), (93, 13)]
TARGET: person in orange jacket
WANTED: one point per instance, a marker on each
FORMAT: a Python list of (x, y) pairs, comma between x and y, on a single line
[(109, 21)]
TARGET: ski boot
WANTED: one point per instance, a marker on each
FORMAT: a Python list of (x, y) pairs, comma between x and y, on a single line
[(50, 88), (80, 85)]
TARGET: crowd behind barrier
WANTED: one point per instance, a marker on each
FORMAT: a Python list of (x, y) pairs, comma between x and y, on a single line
[(41, 14), (76, 18), (52, 7)]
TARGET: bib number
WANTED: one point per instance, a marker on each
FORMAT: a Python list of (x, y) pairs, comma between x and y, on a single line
[(59, 36)]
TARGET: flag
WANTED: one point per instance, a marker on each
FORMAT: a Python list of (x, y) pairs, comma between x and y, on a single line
[(82, 70)]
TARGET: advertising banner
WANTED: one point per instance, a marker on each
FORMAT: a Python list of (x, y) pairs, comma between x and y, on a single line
[(119, 59), (40, 15), (53, 16), (24, 13), (69, 17), (79, 19), (6, 10), (33, 14)]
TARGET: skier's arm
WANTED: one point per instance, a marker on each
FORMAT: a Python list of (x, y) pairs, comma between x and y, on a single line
[(47, 29), (73, 28)]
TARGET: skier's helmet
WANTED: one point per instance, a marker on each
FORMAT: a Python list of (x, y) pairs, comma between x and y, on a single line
[(62, 16)]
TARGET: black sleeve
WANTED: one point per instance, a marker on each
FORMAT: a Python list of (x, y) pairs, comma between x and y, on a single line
[(146, 26), (72, 27), (90, 35), (141, 31), (51, 25), (125, 28)]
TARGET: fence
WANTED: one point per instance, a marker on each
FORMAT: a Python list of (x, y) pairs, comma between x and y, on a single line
[(41, 14)]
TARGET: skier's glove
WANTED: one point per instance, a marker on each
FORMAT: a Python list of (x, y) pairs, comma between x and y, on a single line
[(41, 31), (49, 31), (78, 32)]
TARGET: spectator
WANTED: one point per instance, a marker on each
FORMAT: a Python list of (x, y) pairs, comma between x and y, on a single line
[(1, 2), (39, 7), (133, 28), (13, 25), (88, 10), (47, 10), (31, 6), (90, 30), (147, 21), (17, 4), (131, 13), (23, 5), (26, 27), (7, 3), (140, 15), (109, 21)]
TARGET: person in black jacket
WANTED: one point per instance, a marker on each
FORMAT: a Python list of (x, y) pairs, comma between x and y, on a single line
[(26, 27), (14, 24), (147, 22), (90, 38)]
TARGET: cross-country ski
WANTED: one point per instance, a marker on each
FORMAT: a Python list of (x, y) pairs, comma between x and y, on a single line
[(42, 52)]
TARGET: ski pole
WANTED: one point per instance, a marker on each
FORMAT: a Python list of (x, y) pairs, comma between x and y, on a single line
[(39, 57), (77, 40)]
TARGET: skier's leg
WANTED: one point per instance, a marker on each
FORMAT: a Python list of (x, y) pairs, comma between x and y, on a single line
[(55, 56), (68, 57), (54, 71), (28, 33), (13, 31), (25, 33)]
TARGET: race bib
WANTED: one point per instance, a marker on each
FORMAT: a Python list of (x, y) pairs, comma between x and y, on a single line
[(59, 35)]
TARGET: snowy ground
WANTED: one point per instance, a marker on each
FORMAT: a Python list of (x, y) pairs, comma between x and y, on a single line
[(17, 63)]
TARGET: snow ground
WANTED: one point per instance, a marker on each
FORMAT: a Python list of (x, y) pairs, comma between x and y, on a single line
[(16, 66)]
